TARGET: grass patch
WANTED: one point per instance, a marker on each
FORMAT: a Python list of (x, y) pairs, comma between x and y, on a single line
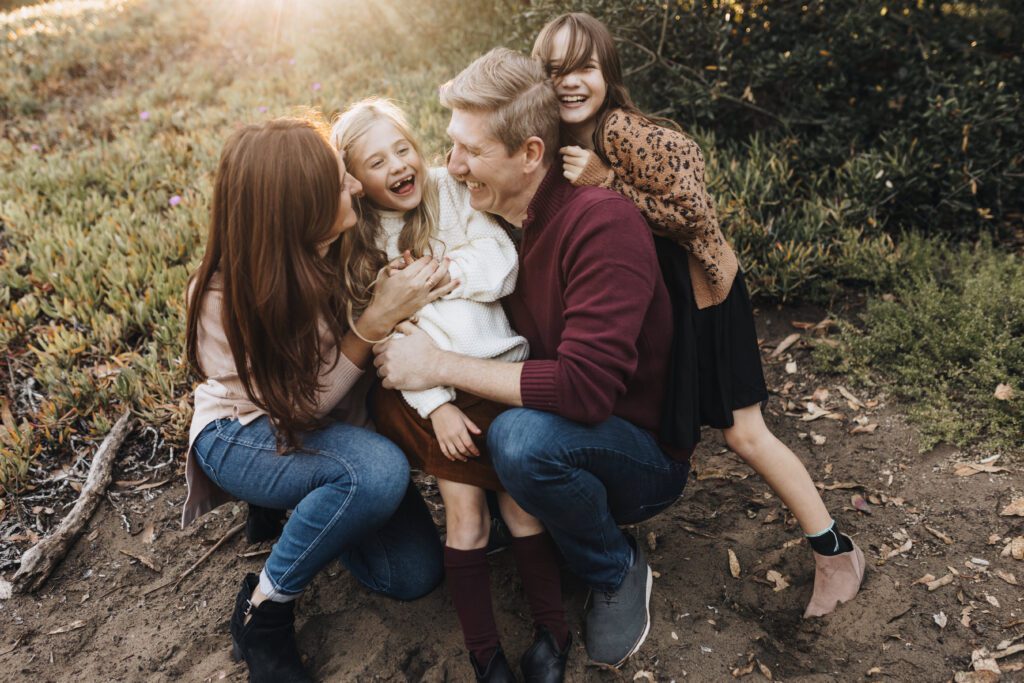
[(952, 331)]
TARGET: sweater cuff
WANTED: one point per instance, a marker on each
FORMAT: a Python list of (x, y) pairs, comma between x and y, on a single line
[(457, 273), (538, 386), (596, 173)]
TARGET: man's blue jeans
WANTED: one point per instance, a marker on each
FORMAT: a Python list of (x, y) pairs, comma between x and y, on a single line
[(582, 481), (351, 497)]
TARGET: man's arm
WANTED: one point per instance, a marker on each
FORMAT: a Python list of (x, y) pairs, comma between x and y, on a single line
[(414, 362)]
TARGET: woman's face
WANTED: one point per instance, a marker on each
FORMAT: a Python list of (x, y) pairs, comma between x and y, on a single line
[(389, 168), (346, 214), (581, 93)]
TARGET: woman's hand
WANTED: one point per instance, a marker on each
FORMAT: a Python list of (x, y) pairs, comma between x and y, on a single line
[(574, 160), (401, 292), (452, 429)]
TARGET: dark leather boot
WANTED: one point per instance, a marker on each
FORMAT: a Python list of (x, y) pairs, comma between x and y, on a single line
[(267, 642), (263, 524), (496, 671), (542, 662)]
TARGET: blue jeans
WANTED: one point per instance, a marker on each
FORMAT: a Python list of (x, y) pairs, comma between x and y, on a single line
[(351, 497), (582, 481)]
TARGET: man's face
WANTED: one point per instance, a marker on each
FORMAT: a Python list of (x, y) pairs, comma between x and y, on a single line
[(494, 177)]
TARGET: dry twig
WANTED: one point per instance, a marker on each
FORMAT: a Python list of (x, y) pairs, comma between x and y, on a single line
[(39, 561)]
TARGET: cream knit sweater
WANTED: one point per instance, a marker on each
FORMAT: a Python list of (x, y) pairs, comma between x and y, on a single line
[(469, 320)]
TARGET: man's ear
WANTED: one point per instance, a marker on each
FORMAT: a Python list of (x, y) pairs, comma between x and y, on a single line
[(533, 154)]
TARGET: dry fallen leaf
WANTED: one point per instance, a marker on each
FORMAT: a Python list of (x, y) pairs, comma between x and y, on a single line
[(874, 671), (899, 551), (778, 579), (865, 429), (820, 395), (1014, 509), (965, 616), (142, 559), (941, 619), (1003, 392), (783, 345), (859, 504), (939, 535), (940, 582), (976, 677), (652, 541), (927, 578), (992, 600), (818, 439), (73, 626), (765, 671), (645, 675), (734, 564), (850, 397), (791, 367), (842, 485), (1008, 577), (746, 669), (148, 533), (967, 469), (1014, 549)]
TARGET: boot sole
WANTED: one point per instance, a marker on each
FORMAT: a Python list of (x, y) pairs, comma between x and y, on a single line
[(236, 652)]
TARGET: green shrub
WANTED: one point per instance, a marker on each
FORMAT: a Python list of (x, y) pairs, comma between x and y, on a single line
[(946, 339)]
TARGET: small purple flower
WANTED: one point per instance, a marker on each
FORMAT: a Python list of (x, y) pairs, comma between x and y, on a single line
[(175, 200), (316, 87), (37, 148), (262, 109), (144, 116)]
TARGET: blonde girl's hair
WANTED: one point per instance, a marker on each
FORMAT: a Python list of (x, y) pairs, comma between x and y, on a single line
[(587, 36), (418, 233)]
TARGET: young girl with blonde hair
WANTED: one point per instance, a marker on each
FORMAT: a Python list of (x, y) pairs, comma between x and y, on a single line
[(717, 378), (410, 211)]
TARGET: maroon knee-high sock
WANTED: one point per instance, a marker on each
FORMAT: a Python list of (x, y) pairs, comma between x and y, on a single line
[(537, 560), (469, 580)]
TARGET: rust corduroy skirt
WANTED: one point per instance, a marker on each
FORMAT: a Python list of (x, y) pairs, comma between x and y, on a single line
[(398, 421)]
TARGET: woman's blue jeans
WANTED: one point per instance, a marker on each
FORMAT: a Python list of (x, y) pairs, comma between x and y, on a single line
[(351, 499), (582, 481)]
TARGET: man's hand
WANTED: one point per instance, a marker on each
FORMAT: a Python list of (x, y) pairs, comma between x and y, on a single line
[(452, 429), (410, 362)]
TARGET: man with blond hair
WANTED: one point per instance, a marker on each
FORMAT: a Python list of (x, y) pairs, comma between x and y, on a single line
[(579, 450)]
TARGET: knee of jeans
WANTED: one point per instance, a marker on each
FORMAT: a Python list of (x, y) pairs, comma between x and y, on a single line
[(388, 478), (519, 447), (419, 583)]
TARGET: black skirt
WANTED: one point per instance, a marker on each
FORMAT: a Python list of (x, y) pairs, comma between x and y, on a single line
[(715, 363)]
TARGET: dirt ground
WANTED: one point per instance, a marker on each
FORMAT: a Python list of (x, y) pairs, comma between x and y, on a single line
[(910, 513)]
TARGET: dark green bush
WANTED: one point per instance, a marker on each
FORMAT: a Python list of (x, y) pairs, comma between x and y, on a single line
[(953, 332), (838, 126)]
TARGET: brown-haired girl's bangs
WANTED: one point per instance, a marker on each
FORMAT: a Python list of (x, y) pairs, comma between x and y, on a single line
[(578, 53)]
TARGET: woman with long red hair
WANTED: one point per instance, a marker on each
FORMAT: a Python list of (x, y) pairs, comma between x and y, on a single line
[(280, 418)]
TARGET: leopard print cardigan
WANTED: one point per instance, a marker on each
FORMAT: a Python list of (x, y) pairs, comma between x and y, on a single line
[(662, 172)]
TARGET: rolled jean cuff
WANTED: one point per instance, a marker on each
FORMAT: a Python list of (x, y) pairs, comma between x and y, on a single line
[(273, 593)]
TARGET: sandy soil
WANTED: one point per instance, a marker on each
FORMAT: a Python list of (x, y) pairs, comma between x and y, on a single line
[(93, 620)]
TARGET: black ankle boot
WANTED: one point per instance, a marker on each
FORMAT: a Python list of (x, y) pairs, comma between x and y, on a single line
[(496, 671), (263, 524), (543, 662), (267, 642)]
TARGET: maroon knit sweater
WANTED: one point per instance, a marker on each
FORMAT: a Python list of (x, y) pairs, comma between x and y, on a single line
[(591, 301)]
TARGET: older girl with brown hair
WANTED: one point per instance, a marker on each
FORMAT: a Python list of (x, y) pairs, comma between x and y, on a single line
[(280, 417), (716, 378)]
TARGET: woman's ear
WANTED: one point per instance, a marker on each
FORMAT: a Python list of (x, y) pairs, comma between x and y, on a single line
[(533, 154)]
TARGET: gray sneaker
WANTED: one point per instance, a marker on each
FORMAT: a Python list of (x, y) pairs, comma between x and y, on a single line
[(618, 622)]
